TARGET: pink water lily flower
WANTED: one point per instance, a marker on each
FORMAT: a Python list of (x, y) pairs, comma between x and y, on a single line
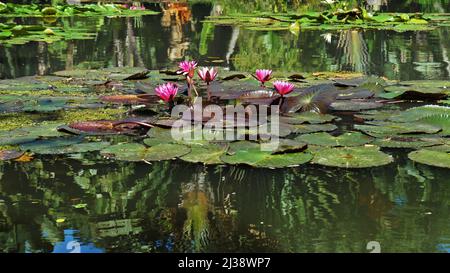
[(207, 74), (187, 68), (137, 8), (283, 88), (263, 75), (167, 92)]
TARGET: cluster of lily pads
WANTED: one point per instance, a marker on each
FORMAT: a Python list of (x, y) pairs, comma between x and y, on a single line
[(13, 33), (334, 19), (124, 114), (65, 10)]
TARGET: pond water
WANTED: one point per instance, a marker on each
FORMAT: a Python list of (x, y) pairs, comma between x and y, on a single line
[(173, 206)]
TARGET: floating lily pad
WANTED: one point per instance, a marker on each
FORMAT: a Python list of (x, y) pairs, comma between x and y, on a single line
[(251, 154), (313, 128), (434, 115), (402, 142), (138, 152), (354, 105), (432, 158), (207, 154), (395, 128), (377, 115), (414, 92), (325, 139), (352, 157), (288, 146), (77, 148), (50, 146), (307, 117), (313, 99)]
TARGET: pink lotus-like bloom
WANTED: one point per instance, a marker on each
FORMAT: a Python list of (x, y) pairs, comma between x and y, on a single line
[(137, 8), (283, 88), (187, 68), (263, 75), (207, 75), (166, 91)]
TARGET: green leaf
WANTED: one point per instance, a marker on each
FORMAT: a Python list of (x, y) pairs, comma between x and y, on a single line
[(432, 158), (346, 139), (352, 157)]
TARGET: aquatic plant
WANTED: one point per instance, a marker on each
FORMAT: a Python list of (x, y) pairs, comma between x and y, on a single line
[(207, 74), (306, 134), (263, 75), (167, 92), (283, 88), (187, 68)]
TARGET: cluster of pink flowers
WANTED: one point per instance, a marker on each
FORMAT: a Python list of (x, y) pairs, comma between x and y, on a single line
[(186, 68), (168, 91), (282, 87)]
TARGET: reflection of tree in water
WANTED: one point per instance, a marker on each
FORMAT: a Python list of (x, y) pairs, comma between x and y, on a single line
[(353, 52), (173, 206), (175, 16)]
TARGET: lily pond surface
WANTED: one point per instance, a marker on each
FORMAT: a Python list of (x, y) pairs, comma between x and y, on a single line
[(374, 165)]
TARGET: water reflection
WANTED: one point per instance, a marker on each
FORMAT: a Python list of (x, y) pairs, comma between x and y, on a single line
[(178, 32), (173, 206)]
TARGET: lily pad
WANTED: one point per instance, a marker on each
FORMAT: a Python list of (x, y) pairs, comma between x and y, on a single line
[(402, 142), (50, 146), (139, 152), (313, 128), (207, 154), (432, 158), (307, 117), (434, 115), (395, 128), (352, 157), (252, 155), (414, 92), (354, 105), (313, 99), (347, 139)]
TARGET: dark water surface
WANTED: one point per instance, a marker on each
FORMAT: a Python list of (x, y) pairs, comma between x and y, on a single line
[(176, 206)]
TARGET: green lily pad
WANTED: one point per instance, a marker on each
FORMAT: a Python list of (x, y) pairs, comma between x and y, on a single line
[(262, 159), (354, 105), (207, 154), (50, 146), (432, 158), (347, 139), (138, 152), (352, 157), (434, 115), (414, 92), (396, 128), (313, 128), (377, 115), (402, 142), (307, 117)]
